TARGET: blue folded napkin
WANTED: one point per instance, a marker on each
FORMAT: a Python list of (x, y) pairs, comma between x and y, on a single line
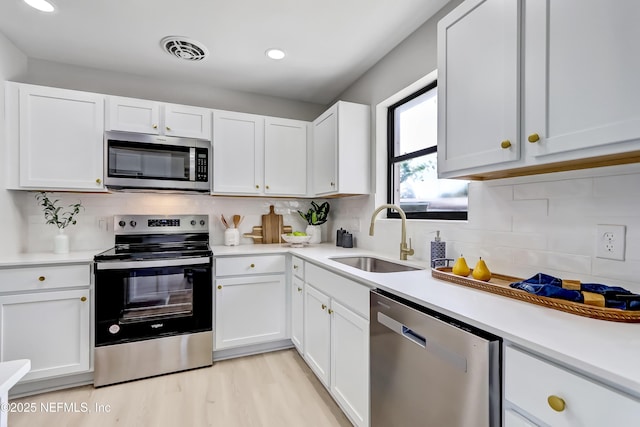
[(548, 286)]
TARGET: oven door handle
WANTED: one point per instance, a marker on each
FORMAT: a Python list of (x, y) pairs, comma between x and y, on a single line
[(174, 262)]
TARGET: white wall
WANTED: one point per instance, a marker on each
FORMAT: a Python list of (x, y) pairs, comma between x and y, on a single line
[(13, 64), (520, 226)]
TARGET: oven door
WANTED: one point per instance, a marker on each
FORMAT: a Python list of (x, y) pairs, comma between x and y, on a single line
[(138, 300)]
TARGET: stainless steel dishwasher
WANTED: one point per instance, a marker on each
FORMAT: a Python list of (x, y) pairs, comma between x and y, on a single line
[(430, 370)]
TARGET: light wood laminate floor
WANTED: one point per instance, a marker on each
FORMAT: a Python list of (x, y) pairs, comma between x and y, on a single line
[(271, 389)]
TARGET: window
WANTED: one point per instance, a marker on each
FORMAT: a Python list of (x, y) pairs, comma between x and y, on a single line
[(412, 174)]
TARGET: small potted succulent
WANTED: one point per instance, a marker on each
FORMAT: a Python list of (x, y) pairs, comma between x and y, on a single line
[(315, 216), (61, 220)]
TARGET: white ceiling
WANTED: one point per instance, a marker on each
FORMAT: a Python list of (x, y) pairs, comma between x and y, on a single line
[(329, 43)]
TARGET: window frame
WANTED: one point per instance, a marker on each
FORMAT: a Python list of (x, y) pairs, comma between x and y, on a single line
[(391, 160)]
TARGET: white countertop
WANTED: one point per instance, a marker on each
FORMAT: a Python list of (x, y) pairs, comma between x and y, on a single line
[(605, 350), (11, 372), (602, 349)]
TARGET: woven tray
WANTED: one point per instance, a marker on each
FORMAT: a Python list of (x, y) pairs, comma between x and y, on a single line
[(499, 284)]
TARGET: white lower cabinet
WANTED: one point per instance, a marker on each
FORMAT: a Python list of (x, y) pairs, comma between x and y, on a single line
[(50, 328), (559, 397), (297, 313), (336, 339), (250, 310)]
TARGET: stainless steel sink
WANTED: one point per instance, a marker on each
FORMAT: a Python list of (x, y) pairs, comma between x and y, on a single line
[(374, 265)]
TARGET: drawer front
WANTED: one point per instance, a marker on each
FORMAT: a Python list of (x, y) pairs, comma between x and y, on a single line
[(297, 267), (255, 264), (44, 277), (529, 381), (349, 293)]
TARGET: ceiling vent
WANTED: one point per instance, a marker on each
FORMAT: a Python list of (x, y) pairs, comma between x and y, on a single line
[(184, 48)]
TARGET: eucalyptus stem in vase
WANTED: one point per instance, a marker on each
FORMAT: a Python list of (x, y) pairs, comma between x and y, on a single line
[(62, 219)]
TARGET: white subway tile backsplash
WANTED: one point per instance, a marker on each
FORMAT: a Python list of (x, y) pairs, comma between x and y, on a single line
[(555, 189), (551, 260), (620, 185)]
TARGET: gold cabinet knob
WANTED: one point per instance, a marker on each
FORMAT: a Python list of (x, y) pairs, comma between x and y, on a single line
[(257, 186), (324, 307), (295, 267), (83, 299), (557, 403), (534, 137), (505, 144), (299, 289), (267, 187), (98, 181), (41, 278), (219, 286), (333, 184), (168, 128), (155, 126), (252, 265), (330, 311)]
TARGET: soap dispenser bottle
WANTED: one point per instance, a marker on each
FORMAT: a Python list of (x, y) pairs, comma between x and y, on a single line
[(438, 250)]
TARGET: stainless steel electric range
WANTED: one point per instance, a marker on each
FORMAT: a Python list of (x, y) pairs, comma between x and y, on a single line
[(153, 298)]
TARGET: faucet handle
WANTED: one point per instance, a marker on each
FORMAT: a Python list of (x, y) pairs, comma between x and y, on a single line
[(409, 242)]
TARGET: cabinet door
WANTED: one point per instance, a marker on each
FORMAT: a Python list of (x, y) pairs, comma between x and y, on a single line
[(325, 152), (52, 329), (297, 314), (317, 333), (238, 153), (133, 115), (187, 122), (61, 134), (250, 310), (350, 363), (478, 86), (285, 157), (581, 74)]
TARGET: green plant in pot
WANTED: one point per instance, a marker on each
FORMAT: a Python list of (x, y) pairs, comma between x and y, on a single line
[(53, 215), (315, 216)]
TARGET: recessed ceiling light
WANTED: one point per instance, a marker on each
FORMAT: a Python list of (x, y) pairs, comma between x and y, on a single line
[(41, 5), (275, 53)]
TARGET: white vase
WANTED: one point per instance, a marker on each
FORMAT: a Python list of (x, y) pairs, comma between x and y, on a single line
[(315, 232), (61, 243), (231, 237)]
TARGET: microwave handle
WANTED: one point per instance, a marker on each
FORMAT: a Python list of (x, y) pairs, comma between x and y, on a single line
[(192, 164)]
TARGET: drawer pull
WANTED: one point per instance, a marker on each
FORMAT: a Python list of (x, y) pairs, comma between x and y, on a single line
[(556, 403), (324, 307), (534, 137), (83, 299), (330, 311), (505, 144), (219, 286), (252, 265), (41, 278), (299, 289)]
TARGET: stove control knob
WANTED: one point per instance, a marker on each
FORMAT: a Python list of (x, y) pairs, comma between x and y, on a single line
[(193, 222), (202, 222), (132, 223), (114, 329), (122, 223)]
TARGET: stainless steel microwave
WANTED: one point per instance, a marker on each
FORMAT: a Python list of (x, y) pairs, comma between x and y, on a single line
[(140, 161)]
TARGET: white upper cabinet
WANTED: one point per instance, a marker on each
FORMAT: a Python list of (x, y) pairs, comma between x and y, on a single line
[(54, 138), (341, 147), (238, 152), (285, 157), (156, 118), (478, 85), (579, 87)]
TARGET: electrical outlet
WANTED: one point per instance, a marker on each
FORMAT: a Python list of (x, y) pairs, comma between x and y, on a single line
[(610, 243)]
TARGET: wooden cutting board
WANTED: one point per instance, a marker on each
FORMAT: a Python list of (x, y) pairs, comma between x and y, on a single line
[(272, 227)]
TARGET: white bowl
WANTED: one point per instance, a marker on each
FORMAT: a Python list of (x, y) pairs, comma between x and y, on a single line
[(296, 241)]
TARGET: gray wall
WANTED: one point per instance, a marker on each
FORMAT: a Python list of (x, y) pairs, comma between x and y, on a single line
[(12, 65), (66, 76)]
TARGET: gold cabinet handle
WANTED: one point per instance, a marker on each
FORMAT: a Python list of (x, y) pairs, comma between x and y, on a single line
[(252, 265), (299, 289), (155, 126), (534, 137), (324, 307), (168, 128), (219, 286), (83, 299), (98, 181), (557, 403), (505, 144), (41, 278), (330, 311)]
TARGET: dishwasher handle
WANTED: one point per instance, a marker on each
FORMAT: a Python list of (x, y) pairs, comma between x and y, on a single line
[(402, 330)]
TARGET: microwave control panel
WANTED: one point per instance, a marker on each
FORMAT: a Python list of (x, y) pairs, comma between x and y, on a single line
[(202, 164)]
